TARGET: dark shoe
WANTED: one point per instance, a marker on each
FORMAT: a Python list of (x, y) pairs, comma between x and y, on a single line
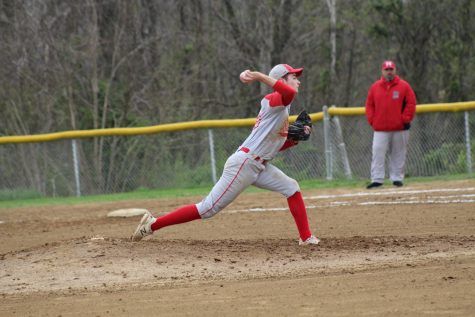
[(397, 183), (374, 185)]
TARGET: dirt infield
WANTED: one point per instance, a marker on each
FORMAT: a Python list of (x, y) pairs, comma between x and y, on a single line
[(392, 252)]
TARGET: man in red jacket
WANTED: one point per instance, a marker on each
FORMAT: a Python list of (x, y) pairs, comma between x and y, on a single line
[(390, 108)]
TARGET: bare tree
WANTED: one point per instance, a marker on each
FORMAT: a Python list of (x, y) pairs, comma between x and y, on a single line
[(331, 4)]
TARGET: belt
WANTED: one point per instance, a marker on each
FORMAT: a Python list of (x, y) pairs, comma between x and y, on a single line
[(256, 158)]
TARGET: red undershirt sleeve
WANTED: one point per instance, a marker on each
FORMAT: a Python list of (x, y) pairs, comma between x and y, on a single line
[(287, 92), (288, 144)]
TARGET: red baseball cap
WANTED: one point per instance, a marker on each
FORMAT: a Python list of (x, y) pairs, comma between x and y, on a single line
[(388, 64), (281, 70)]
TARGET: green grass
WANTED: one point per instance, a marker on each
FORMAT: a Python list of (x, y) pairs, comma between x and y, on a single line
[(141, 194), (24, 200)]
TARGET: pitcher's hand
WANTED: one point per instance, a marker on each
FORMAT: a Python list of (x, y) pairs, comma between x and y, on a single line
[(247, 77)]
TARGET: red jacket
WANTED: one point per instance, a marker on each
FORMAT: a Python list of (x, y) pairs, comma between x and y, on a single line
[(390, 105)]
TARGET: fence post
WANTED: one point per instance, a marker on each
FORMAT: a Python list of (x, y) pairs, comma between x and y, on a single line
[(76, 168), (327, 140), (467, 143), (342, 147), (211, 154)]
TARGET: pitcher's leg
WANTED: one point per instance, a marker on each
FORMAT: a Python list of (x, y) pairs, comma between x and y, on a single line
[(299, 212), (238, 174), (149, 223), (275, 180), (215, 198), (380, 147), (180, 215), (397, 158)]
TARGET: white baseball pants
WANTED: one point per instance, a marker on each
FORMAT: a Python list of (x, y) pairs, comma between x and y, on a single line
[(396, 143), (240, 171)]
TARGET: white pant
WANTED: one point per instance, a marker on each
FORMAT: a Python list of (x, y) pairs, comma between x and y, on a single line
[(396, 142), (241, 171)]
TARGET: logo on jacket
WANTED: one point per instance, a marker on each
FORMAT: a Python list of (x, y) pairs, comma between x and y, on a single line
[(395, 94)]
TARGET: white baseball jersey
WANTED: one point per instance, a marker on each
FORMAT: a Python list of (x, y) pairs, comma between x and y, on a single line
[(249, 164), (269, 132)]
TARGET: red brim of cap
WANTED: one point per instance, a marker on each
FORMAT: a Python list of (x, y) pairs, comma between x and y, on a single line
[(296, 71)]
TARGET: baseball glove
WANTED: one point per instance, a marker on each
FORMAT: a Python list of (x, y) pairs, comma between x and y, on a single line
[(297, 131)]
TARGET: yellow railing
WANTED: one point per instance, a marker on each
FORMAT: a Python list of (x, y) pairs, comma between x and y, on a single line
[(439, 107), (204, 124)]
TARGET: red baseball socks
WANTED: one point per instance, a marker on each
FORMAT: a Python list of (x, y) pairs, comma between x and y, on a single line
[(297, 208), (183, 214)]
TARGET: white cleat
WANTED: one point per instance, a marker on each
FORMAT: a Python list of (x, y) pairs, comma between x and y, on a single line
[(310, 240), (144, 228)]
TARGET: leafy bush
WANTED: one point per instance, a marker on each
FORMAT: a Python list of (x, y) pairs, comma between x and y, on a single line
[(449, 157)]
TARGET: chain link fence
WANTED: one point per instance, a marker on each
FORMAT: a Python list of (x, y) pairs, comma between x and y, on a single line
[(340, 148), (439, 144)]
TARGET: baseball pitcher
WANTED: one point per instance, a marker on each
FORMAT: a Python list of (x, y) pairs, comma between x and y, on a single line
[(251, 163)]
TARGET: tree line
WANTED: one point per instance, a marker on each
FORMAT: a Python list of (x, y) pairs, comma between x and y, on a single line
[(117, 63)]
